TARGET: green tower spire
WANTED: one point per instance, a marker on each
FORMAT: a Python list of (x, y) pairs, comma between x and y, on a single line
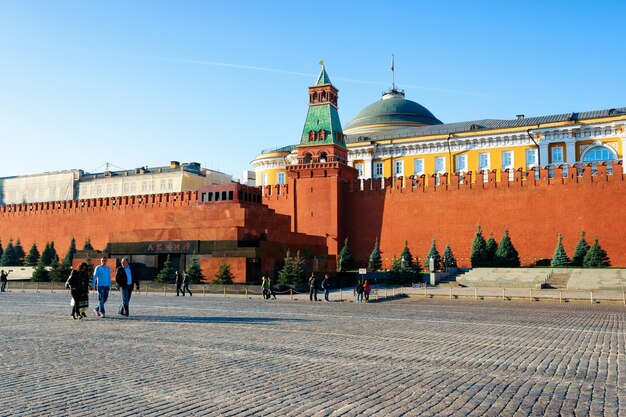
[(323, 79), (322, 125)]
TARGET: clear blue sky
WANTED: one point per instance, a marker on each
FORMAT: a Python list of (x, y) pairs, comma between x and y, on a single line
[(139, 83)]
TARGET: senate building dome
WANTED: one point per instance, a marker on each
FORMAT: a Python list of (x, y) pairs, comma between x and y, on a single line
[(392, 111)]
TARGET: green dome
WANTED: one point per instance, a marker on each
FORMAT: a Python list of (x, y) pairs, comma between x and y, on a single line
[(393, 111)]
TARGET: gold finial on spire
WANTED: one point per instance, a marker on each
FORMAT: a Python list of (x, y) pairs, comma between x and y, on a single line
[(322, 62)]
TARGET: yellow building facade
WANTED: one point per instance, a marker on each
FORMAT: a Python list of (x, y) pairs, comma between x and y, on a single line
[(397, 137)]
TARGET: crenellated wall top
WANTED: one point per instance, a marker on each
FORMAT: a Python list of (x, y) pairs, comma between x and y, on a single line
[(552, 175), (180, 198)]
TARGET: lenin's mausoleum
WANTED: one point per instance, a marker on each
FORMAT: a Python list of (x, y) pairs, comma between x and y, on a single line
[(394, 173)]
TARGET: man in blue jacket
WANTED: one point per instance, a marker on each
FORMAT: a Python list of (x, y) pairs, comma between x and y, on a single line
[(102, 282)]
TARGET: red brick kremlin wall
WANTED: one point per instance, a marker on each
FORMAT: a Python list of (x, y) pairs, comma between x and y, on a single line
[(534, 210), (161, 217)]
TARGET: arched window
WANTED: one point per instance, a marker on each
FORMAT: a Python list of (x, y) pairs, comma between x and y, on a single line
[(307, 158), (323, 157), (599, 153)]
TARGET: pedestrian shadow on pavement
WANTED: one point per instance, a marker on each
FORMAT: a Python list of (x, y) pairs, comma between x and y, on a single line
[(207, 320)]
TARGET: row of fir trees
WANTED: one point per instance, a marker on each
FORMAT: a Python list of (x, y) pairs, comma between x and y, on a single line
[(48, 266), (584, 255), (486, 253)]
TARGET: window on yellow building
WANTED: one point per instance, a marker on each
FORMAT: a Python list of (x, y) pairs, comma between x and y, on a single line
[(440, 165), (483, 161), (418, 166), (461, 163), (531, 157), (398, 169), (378, 169), (280, 178)]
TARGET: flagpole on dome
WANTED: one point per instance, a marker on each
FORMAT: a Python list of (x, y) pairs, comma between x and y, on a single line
[(393, 74)]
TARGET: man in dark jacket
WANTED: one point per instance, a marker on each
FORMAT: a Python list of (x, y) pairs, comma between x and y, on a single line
[(312, 288), (4, 278), (126, 280), (179, 283)]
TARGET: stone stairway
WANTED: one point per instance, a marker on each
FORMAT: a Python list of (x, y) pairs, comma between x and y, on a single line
[(558, 280)]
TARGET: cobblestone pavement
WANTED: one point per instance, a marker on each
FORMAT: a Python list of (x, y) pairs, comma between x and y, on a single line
[(180, 356)]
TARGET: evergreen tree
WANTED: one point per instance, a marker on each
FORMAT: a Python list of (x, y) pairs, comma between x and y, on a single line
[(194, 270), (66, 269), (87, 245), (285, 275), (396, 266), (1, 249), (434, 254), (344, 260), (166, 275), (596, 257), (40, 274), (55, 272), (403, 269), (582, 247), (46, 255), (224, 276), (292, 273), (560, 257), (19, 253), (479, 250), (69, 256), (490, 249), (407, 263), (448, 257), (8, 256), (506, 255), (53, 253), (376, 261), (33, 256)]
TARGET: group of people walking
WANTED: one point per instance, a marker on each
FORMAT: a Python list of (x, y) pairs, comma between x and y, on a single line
[(362, 291), (182, 283), (80, 284), (313, 287), (267, 289)]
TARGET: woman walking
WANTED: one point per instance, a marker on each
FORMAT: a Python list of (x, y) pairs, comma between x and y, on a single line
[(77, 282), (367, 288)]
